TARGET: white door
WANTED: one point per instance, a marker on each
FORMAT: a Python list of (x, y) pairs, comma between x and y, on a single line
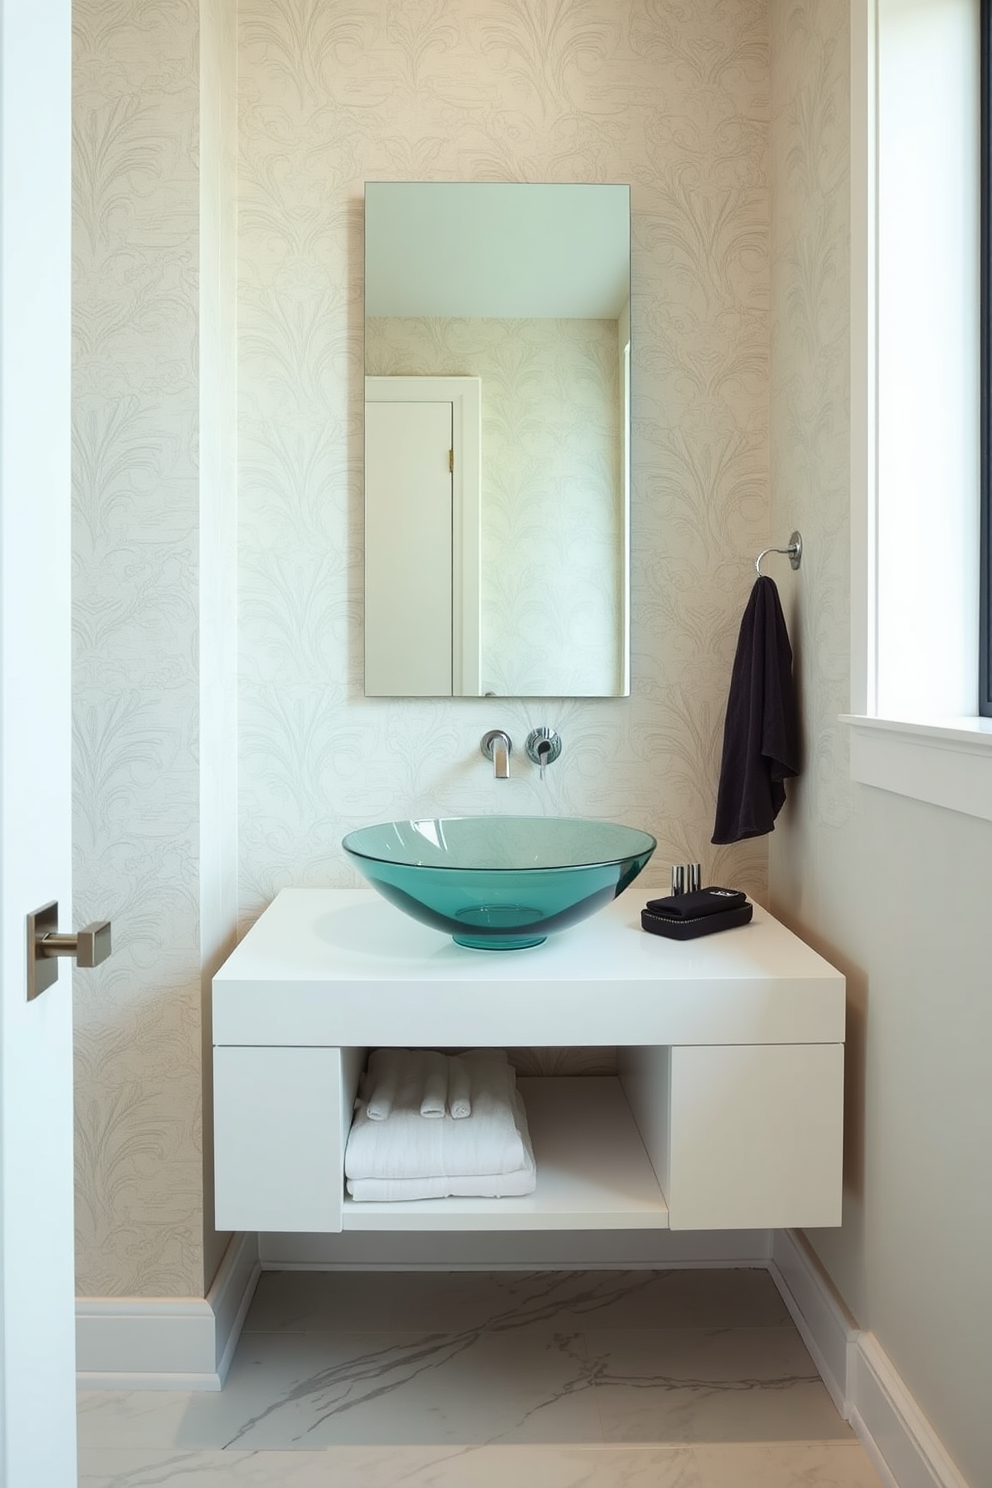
[(408, 577), (37, 1358), (423, 497)]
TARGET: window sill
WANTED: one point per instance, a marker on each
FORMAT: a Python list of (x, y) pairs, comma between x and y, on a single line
[(947, 763)]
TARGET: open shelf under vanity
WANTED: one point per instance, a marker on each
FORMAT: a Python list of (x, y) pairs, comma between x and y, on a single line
[(592, 1171), (725, 1112)]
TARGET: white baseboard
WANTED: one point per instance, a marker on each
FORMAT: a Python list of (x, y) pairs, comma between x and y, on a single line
[(884, 1413), (862, 1380), (826, 1327), (167, 1343), (230, 1297)]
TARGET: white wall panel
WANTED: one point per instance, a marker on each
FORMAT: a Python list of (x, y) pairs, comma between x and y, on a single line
[(853, 868)]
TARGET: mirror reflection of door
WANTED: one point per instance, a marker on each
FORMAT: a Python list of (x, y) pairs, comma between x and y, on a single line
[(527, 289), (422, 536)]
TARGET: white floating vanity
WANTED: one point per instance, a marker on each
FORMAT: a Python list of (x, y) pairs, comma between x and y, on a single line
[(725, 1113)]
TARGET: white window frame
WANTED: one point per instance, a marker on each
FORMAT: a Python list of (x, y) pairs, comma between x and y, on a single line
[(932, 754)]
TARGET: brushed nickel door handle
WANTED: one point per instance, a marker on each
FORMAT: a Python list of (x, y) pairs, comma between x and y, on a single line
[(89, 946)]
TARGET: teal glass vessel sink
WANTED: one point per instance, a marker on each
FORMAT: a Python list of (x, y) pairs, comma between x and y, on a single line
[(499, 883)]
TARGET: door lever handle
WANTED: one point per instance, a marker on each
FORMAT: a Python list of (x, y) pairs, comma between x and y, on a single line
[(89, 946)]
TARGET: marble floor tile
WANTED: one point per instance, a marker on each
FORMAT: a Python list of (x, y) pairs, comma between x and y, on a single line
[(814, 1464), (317, 1301), (310, 1390), (127, 1419), (557, 1380), (294, 1301), (453, 1301), (590, 1299), (802, 1465), (710, 1385), (529, 1382), (668, 1299)]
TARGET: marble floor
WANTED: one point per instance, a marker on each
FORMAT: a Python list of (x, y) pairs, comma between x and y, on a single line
[(596, 1379)]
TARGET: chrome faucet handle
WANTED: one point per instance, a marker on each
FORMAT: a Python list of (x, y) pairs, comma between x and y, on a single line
[(496, 746), (543, 747)]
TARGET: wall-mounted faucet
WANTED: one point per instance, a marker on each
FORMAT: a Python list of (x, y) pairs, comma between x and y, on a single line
[(543, 747), (497, 747)]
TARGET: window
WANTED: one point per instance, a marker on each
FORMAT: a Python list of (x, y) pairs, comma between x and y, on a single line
[(985, 545), (921, 425)]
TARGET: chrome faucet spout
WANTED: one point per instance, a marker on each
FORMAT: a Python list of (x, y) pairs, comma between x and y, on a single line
[(496, 746)]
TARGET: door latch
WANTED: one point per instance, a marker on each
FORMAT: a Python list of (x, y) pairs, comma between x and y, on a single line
[(89, 946)]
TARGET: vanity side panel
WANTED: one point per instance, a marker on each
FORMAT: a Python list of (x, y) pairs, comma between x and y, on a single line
[(352, 1064), (280, 1124), (645, 1074), (756, 1136)]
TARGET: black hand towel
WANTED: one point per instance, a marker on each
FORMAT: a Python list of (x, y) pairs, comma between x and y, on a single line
[(761, 734)]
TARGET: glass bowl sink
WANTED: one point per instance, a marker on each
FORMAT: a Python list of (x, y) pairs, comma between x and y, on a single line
[(499, 882)]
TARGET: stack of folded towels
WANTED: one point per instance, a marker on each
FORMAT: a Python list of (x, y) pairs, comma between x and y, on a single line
[(433, 1126)]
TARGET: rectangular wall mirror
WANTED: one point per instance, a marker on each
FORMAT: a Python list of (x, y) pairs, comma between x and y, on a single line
[(497, 363)]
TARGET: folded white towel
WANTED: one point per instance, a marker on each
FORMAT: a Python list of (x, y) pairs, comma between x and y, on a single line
[(479, 1185), (406, 1146), (405, 1079), (434, 1101), (459, 1088), (382, 1095)]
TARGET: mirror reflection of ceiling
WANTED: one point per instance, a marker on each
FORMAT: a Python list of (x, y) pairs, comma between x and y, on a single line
[(496, 250)]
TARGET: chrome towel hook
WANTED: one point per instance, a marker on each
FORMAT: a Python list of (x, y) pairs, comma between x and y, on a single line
[(794, 550)]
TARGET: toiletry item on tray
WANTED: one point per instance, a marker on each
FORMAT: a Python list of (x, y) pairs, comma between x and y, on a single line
[(686, 916)]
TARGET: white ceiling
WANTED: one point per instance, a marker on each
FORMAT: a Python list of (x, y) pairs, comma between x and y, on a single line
[(496, 249)]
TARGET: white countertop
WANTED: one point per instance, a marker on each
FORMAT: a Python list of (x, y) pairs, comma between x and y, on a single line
[(344, 967)]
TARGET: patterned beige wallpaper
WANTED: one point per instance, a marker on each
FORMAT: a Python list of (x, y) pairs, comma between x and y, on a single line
[(136, 541), (669, 98), (810, 389), (673, 100)]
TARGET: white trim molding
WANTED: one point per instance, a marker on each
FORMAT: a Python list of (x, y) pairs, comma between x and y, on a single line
[(908, 658), (895, 1432), (861, 1379), (826, 1327), (864, 351), (167, 1343), (946, 762)]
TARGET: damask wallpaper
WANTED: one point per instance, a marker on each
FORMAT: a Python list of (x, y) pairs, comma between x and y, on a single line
[(670, 98), (810, 382), (136, 533), (673, 101)]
